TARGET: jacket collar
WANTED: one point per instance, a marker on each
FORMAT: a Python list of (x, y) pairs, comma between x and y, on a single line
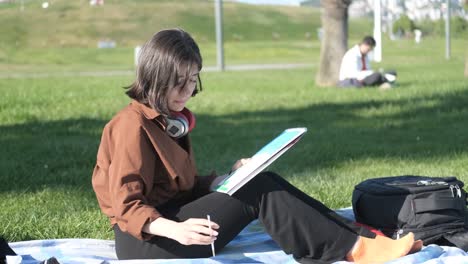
[(147, 111), (178, 161)]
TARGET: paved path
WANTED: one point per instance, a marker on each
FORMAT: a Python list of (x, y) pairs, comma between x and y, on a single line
[(248, 67), (244, 67)]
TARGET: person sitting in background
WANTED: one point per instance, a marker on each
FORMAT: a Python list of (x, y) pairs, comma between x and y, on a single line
[(356, 71)]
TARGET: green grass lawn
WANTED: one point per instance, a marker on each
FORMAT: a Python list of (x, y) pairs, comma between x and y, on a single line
[(50, 130)]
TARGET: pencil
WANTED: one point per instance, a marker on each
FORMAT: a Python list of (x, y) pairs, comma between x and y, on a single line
[(211, 234)]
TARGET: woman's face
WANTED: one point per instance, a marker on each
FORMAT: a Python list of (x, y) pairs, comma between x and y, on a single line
[(179, 96)]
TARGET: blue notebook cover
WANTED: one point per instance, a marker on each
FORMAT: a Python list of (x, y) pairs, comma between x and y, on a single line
[(264, 157)]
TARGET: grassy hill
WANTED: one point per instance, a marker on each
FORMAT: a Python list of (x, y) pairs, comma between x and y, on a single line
[(65, 35), (77, 24)]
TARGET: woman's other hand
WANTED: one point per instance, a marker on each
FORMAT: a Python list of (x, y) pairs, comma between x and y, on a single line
[(240, 163)]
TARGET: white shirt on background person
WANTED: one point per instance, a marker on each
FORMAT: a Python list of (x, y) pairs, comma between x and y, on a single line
[(351, 65)]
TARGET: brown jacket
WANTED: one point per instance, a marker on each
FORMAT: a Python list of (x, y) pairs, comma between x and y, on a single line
[(140, 167)]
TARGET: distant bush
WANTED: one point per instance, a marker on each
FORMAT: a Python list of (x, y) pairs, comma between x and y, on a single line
[(458, 27), (404, 25)]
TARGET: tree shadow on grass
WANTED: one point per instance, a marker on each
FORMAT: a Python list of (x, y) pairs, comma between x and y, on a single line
[(419, 128), (62, 153), (49, 154)]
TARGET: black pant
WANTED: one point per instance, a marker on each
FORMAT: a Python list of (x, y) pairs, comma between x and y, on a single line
[(5, 250), (375, 78), (300, 225)]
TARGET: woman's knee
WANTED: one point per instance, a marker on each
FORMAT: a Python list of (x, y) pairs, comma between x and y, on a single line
[(269, 176), (263, 181), (272, 175)]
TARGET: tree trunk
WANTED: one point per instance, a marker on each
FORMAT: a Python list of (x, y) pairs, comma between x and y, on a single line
[(334, 40)]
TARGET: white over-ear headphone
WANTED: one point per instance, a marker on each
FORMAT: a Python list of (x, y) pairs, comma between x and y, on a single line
[(180, 123)]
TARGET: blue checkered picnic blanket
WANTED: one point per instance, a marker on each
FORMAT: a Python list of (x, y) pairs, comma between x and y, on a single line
[(252, 245)]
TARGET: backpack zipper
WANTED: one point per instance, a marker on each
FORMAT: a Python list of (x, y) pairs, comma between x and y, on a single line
[(436, 186), (458, 191), (431, 182), (399, 232)]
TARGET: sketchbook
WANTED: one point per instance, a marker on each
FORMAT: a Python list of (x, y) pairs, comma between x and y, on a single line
[(262, 159)]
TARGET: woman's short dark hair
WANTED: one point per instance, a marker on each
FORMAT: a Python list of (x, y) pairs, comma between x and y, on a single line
[(368, 40), (165, 62)]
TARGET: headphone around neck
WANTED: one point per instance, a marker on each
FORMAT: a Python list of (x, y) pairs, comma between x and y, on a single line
[(179, 124)]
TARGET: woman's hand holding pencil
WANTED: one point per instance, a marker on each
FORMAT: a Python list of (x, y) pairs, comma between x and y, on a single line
[(194, 231)]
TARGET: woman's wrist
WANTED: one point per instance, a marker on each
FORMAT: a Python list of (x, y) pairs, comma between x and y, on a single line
[(160, 227), (217, 181)]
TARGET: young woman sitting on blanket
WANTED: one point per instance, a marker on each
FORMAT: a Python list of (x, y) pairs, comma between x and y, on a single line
[(146, 181)]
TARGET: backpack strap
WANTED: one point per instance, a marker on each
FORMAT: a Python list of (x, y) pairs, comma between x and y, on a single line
[(458, 239), (428, 205)]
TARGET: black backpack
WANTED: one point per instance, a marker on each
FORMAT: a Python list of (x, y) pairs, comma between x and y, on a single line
[(433, 208)]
